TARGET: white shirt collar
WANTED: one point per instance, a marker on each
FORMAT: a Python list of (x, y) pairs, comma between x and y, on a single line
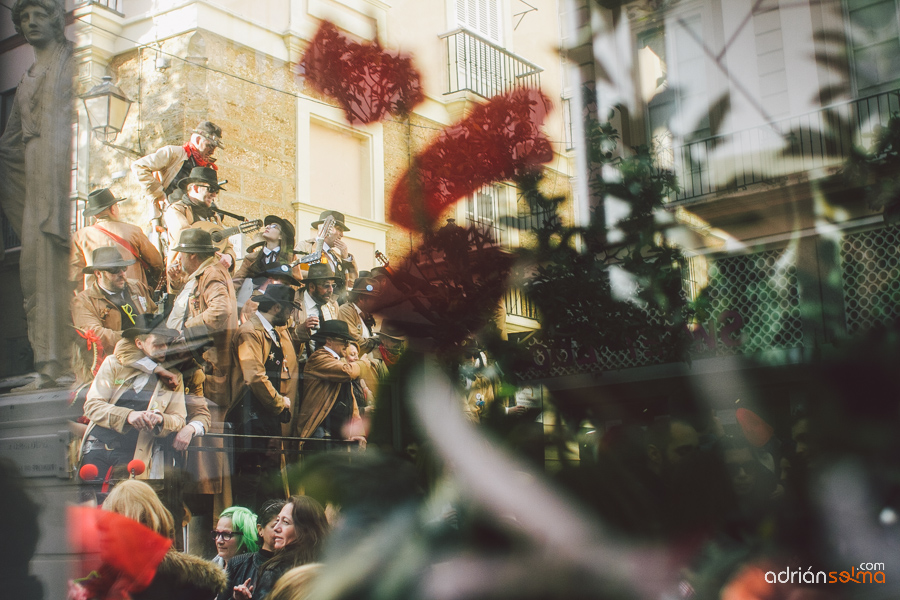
[(333, 353), (267, 326), (267, 252)]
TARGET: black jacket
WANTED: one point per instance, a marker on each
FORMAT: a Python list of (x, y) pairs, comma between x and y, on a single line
[(241, 568)]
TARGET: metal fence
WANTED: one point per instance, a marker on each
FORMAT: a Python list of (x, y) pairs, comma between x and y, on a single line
[(478, 65), (815, 140)]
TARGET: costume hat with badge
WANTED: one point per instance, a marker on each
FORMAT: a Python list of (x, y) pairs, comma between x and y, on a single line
[(363, 286), (333, 328), (320, 272), (338, 219), (98, 201), (201, 175), (210, 131), (106, 257), (194, 241), (280, 272)]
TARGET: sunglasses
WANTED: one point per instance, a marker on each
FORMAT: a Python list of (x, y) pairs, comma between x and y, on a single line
[(225, 535), (115, 270)]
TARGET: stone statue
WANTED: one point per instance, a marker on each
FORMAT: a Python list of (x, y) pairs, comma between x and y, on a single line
[(35, 183)]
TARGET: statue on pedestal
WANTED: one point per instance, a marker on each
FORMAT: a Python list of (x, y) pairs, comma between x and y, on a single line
[(35, 183)]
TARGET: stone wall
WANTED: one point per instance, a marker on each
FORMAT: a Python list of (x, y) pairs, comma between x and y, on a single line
[(248, 94)]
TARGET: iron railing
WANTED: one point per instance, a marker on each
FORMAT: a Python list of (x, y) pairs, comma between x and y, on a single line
[(517, 304), (478, 65), (815, 140)]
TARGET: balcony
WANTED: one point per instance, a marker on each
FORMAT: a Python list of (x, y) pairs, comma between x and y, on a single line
[(816, 140), (477, 65)]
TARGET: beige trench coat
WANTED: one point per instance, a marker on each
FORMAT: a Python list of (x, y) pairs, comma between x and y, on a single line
[(113, 379)]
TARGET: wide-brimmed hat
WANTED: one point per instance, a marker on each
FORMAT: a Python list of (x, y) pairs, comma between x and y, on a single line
[(280, 271), (390, 330), (338, 219), (194, 241), (320, 272), (206, 175), (283, 294), (287, 230), (211, 132), (98, 201), (106, 257), (335, 328), (149, 323), (364, 286)]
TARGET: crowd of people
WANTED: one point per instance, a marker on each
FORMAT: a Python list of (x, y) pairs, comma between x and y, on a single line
[(186, 345)]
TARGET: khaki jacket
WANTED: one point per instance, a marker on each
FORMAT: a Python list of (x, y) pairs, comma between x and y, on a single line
[(112, 380), (348, 313), (322, 379), (179, 217), (251, 346), (88, 239), (167, 162), (212, 306), (91, 309)]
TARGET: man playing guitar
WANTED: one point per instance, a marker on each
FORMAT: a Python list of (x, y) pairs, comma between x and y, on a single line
[(334, 251)]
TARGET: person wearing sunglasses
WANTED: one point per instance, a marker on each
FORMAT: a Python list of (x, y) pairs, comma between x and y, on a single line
[(108, 306), (235, 533)]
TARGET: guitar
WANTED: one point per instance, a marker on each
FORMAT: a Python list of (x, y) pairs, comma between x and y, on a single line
[(221, 234), (316, 255)]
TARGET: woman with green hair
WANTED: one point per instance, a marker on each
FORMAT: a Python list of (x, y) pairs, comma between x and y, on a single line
[(234, 533)]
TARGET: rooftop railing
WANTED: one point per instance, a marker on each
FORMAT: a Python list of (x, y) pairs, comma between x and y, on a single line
[(815, 140), (480, 66)]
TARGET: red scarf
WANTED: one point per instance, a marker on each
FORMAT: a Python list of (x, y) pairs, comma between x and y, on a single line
[(198, 158)]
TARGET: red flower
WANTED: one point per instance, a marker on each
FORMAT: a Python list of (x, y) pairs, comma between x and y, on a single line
[(118, 555), (365, 80), (500, 140)]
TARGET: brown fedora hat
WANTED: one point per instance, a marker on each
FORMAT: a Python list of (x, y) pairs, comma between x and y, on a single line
[(211, 132), (98, 201), (364, 286), (338, 219), (320, 272), (104, 258), (334, 328), (194, 241)]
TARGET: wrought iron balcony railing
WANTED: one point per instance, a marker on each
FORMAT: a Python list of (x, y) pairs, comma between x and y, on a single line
[(815, 140), (477, 65)]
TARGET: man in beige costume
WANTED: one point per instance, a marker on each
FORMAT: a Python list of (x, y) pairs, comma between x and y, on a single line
[(35, 175), (108, 231)]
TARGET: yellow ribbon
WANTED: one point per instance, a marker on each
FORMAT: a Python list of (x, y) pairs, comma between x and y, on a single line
[(129, 312)]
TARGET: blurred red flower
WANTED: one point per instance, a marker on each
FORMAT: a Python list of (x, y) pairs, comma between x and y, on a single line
[(366, 81), (500, 140), (118, 555)]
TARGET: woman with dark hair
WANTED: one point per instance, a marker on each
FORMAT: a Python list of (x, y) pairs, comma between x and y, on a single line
[(244, 567), (299, 535), (276, 246)]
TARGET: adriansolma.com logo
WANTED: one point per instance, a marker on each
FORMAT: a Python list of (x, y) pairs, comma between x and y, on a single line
[(867, 572)]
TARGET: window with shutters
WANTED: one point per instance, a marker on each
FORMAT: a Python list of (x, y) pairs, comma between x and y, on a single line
[(874, 40), (481, 17)]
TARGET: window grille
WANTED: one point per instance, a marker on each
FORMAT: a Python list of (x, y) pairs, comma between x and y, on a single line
[(870, 273)]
